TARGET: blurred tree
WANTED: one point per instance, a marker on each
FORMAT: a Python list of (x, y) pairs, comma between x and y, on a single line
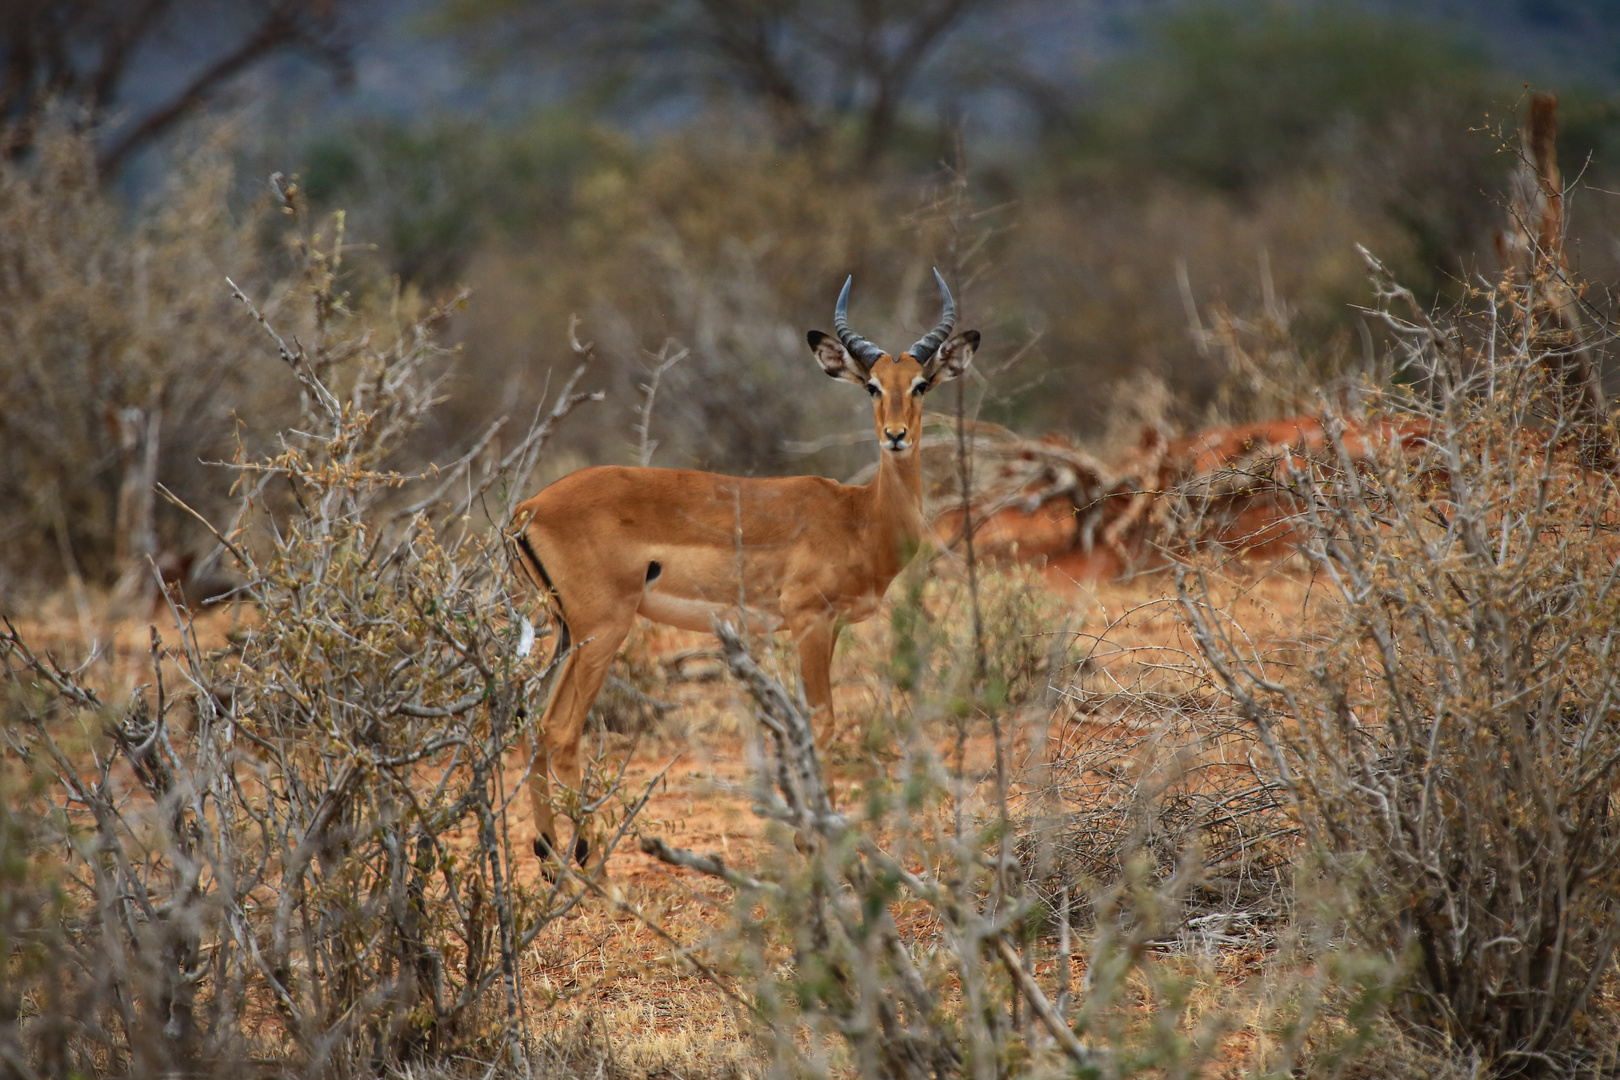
[(430, 190), (126, 362), (812, 65), (82, 52), (1242, 98), (1229, 95)]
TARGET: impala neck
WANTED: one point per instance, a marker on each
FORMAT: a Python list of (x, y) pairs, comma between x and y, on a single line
[(897, 499)]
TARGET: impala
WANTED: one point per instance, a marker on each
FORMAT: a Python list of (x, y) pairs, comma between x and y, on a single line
[(797, 553)]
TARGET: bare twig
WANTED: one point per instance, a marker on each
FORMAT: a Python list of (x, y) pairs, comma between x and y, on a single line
[(295, 358), (1071, 1045), (711, 864), (663, 361)]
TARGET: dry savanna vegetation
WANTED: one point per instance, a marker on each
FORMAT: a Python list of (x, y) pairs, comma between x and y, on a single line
[(1285, 744)]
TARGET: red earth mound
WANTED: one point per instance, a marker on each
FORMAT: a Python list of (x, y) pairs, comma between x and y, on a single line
[(1047, 501)]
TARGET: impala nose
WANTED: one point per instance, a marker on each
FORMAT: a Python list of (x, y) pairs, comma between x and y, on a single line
[(896, 438)]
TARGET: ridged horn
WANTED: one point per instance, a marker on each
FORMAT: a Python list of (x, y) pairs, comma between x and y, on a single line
[(925, 348), (861, 349)]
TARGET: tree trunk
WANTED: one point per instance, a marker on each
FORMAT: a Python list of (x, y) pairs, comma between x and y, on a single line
[(139, 438)]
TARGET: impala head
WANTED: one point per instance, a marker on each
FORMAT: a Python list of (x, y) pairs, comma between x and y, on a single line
[(897, 383)]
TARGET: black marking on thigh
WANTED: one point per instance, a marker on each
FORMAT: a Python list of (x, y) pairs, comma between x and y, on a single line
[(653, 570), (539, 567)]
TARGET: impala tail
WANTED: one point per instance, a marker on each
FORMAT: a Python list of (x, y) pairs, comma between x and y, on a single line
[(524, 555)]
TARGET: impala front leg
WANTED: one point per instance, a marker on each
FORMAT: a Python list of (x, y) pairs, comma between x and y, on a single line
[(815, 640)]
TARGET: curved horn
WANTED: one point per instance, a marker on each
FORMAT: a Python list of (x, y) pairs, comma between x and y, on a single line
[(924, 349), (863, 350)]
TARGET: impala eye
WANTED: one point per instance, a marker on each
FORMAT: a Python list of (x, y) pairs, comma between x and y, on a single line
[(874, 389), (920, 389)]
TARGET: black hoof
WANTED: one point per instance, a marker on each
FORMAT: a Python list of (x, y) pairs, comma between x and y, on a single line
[(545, 849)]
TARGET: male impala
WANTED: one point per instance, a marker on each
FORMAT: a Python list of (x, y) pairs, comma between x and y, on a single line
[(680, 547)]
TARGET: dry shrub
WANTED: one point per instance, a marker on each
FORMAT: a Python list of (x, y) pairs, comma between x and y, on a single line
[(899, 937), (291, 853), (939, 923), (123, 361), (1448, 736), (931, 641), (1133, 793), (1145, 779)]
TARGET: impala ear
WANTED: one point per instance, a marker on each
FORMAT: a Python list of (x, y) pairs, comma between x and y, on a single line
[(836, 360), (952, 358)]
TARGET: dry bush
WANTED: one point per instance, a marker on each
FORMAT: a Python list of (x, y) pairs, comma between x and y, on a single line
[(931, 640), (1143, 776), (898, 938), (1445, 726), (291, 854), (123, 361), (1143, 792)]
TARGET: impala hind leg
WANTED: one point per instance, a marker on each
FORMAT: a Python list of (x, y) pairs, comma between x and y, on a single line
[(579, 680)]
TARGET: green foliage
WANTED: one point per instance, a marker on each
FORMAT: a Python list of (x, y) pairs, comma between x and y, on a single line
[(932, 651), (1588, 134), (1397, 121), (1234, 95), (849, 80), (433, 191), (908, 625), (1023, 621)]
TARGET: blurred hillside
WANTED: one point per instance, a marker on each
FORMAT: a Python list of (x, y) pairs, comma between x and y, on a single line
[(1128, 197)]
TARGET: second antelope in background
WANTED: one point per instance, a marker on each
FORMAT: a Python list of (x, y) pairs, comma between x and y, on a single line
[(797, 553)]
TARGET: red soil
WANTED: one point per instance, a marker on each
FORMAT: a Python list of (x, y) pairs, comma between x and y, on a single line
[(1107, 520)]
